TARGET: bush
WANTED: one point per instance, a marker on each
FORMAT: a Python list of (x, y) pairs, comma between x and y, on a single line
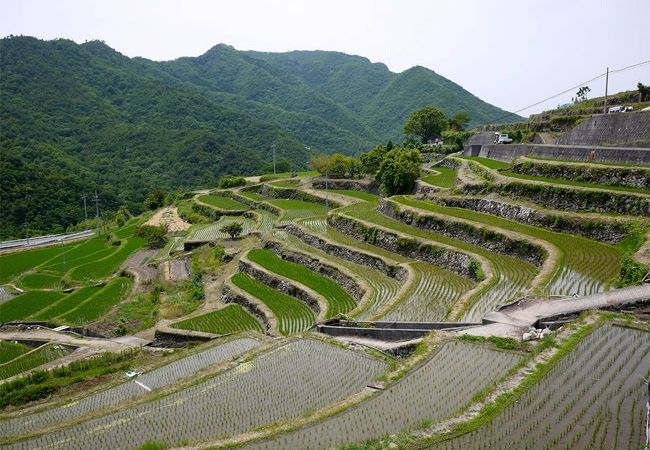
[(155, 200), (230, 181)]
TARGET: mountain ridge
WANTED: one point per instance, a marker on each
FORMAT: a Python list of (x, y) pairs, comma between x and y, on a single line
[(84, 117)]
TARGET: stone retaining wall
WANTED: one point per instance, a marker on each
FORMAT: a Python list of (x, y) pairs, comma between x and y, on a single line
[(567, 199), (457, 262), (488, 239), (610, 176), (605, 231)]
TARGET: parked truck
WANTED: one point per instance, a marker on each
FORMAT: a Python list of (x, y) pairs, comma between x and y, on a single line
[(501, 138)]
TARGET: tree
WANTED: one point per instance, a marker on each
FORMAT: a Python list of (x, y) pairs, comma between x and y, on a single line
[(371, 160), (581, 95), (233, 229), (644, 91), (426, 123), (459, 121), (398, 171), (319, 163), (155, 199), (389, 145), (122, 216)]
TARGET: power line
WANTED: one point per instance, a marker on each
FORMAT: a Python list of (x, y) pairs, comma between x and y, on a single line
[(572, 88)]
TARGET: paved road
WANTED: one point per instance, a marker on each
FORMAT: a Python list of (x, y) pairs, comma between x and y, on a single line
[(514, 321)]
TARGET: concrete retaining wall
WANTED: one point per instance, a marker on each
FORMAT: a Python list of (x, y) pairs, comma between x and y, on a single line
[(619, 129), (509, 152)]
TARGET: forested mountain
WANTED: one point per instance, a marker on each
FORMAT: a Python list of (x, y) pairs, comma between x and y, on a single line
[(75, 118)]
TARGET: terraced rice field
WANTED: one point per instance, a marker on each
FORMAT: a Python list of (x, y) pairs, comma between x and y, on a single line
[(157, 378), (98, 304), (253, 196), (9, 350), (67, 303), (512, 276), (382, 287), (297, 209), (338, 300), (213, 231), (431, 294), (24, 305), (98, 269), (445, 178), (594, 398), (442, 386), (585, 267), (224, 203), (231, 319), (27, 361), (487, 162), (284, 383), (293, 315), (40, 280)]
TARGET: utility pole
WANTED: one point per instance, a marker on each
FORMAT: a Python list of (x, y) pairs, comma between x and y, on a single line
[(96, 198), (273, 148), (26, 225), (606, 86), (85, 207)]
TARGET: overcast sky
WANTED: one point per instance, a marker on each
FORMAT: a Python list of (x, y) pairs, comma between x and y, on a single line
[(511, 53)]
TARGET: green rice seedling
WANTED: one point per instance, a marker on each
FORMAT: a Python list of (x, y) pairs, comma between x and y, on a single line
[(9, 350), (231, 319), (40, 280), (42, 355), (99, 303), (297, 209), (293, 315), (224, 203), (338, 299), (445, 178), (25, 305)]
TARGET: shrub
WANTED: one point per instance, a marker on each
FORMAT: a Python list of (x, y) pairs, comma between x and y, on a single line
[(231, 181), (233, 229), (154, 235)]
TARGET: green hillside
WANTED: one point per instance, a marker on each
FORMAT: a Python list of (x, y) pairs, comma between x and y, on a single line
[(83, 117)]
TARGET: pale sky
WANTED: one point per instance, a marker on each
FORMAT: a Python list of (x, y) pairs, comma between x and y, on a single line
[(511, 53)]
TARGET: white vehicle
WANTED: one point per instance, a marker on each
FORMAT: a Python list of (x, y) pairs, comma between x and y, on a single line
[(615, 109), (627, 108), (500, 138)]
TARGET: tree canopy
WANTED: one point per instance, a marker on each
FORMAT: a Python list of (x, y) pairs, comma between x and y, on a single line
[(426, 123)]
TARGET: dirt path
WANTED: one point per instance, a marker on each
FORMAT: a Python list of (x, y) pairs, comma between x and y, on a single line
[(169, 216)]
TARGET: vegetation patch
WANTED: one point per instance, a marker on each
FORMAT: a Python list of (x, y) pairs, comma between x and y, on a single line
[(221, 202), (27, 361)]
